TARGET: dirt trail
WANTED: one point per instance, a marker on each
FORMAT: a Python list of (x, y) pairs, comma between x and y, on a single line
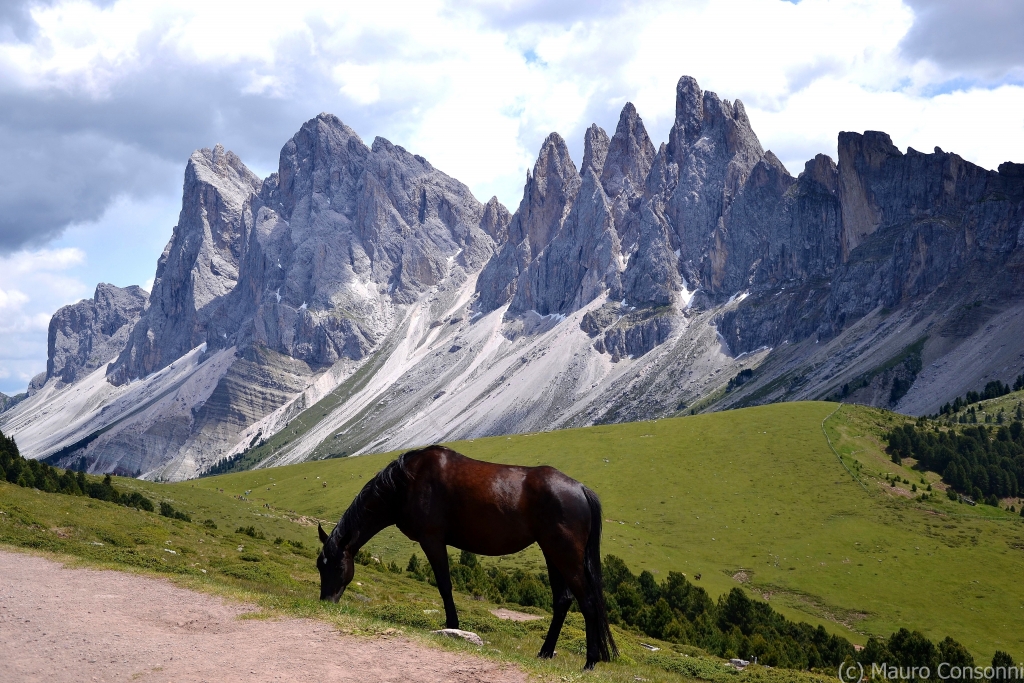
[(60, 624)]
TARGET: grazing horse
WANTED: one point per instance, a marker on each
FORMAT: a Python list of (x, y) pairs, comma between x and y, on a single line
[(438, 497)]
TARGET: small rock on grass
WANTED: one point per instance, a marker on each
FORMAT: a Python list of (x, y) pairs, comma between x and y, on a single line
[(459, 633)]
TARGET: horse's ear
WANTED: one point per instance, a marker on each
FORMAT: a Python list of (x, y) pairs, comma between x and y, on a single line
[(323, 534)]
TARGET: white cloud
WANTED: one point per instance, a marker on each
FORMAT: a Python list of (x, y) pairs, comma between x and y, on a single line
[(11, 299), (33, 284)]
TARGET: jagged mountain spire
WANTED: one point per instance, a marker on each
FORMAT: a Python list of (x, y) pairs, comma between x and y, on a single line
[(547, 196), (198, 267)]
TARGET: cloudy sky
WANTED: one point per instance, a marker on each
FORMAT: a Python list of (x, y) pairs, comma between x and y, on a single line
[(102, 102)]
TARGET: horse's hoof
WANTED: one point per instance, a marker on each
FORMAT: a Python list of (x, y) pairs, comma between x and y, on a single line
[(546, 655), (589, 666)]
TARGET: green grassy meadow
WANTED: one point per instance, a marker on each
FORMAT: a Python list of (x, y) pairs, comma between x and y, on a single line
[(754, 497)]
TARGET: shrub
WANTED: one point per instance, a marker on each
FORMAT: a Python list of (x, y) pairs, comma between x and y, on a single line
[(250, 531), (138, 501), (167, 510)]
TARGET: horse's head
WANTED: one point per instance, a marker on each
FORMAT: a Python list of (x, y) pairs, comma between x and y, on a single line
[(336, 567)]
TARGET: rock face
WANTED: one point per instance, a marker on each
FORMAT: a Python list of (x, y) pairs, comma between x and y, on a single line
[(340, 235), (7, 402), (198, 268), (87, 335), (359, 299), (264, 285), (547, 197)]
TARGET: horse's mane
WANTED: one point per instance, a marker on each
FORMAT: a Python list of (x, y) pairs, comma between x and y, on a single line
[(384, 486)]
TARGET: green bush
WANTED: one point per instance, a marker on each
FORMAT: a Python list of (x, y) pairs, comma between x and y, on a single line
[(250, 531), (407, 615), (167, 510)]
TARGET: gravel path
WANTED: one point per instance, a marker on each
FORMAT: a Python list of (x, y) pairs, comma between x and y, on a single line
[(60, 624)]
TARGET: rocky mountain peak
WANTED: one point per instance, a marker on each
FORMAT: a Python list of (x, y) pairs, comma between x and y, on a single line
[(861, 155), (595, 150), (711, 152), (89, 334), (344, 234), (198, 267), (323, 158), (547, 197), (722, 123), (495, 220), (823, 171), (689, 109), (630, 155), (549, 191)]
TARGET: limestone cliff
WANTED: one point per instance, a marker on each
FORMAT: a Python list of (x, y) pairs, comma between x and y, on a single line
[(85, 336)]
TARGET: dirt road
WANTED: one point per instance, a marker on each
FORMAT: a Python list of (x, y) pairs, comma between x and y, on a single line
[(59, 624)]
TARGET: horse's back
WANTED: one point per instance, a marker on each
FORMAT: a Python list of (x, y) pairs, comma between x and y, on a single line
[(491, 508), (470, 477)]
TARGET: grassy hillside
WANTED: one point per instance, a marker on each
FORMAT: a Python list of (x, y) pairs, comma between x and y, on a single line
[(753, 496)]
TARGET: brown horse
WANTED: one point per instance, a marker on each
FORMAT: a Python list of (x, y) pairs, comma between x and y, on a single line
[(438, 498)]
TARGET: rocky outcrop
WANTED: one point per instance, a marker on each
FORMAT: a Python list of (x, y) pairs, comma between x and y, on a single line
[(915, 224), (7, 402), (883, 230), (549, 193), (197, 269), (624, 174), (339, 236), (85, 336), (711, 152), (584, 258), (624, 332)]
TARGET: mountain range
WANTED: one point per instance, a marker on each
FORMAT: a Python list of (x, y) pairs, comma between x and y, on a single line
[(361, 300)]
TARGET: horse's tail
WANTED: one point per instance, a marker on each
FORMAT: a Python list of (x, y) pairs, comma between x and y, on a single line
[(592, 576)]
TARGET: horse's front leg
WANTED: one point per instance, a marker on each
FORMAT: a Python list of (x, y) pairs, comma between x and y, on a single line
[(437, 555)]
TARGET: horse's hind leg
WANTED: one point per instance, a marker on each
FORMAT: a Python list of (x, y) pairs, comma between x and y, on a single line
[(572, 574), (561, 600), (588, 606), (437, 555)]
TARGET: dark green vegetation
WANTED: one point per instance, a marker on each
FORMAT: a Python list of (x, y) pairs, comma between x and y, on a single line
[(38, 475), (752, 499), (741, 378), (985, 464), (910, 649), (737, 626), (994, 389), (167, 510), (497, 584), (905, 364)]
